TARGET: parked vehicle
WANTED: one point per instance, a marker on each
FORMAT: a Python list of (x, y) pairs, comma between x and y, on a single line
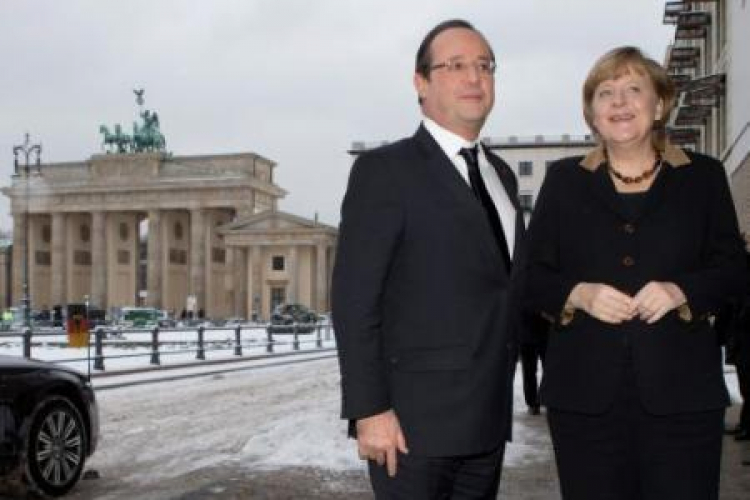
[(49, 424), (139, 317), (286, 318)]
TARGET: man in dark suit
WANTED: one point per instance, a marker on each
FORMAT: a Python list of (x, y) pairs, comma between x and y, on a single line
[(422, 302)]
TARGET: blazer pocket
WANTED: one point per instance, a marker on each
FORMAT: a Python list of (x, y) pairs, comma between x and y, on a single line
[(457, 357)]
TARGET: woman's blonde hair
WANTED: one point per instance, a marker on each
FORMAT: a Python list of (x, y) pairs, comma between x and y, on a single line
[(620, 61)]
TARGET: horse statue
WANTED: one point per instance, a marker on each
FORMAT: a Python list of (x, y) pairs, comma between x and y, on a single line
[(123, 141), (116, 142), (109, 138), (148, 137)]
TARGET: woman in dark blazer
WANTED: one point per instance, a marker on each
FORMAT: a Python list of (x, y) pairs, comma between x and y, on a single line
[(631, 249)]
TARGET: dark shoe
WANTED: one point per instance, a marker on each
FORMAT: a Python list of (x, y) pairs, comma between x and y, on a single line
[(746, 462), (742, 436), (534, 410)]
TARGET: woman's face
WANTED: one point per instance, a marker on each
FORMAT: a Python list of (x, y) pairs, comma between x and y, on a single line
[(625, 108)]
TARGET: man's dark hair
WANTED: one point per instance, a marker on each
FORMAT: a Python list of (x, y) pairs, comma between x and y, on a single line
[(424, 54)]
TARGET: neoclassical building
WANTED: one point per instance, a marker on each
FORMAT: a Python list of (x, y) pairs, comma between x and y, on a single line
[(172, 232)]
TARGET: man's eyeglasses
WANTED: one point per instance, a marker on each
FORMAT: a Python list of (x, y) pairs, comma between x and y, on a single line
[(457, 66)]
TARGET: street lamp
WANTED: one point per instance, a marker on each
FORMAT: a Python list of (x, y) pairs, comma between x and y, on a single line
[(27, 149)]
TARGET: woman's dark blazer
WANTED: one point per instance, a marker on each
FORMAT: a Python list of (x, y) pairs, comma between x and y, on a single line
[(687, 234)]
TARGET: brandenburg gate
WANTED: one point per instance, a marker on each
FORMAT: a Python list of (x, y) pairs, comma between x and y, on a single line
[(137, 224)]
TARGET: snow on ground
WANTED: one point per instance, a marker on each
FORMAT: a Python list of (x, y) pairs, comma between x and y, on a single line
[(262, 418), (266, 418)]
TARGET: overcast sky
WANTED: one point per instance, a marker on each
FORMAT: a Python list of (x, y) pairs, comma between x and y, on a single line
[(295, 81)]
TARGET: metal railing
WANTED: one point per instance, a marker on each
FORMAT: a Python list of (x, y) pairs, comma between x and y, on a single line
[(106, 343)]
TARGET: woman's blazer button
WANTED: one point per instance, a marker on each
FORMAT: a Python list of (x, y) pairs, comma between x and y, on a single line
[(628, 261)]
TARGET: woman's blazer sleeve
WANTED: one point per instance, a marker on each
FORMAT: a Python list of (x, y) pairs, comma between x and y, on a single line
[(722, 270), (547, 286)]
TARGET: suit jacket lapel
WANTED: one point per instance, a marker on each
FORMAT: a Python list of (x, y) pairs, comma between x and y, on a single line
[(658, 191), (442, 169), (506, 176)]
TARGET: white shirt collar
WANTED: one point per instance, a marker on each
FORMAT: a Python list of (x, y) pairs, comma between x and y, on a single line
[(449, 142)]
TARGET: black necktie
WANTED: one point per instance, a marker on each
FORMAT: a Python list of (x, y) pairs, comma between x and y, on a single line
[(480, 191)]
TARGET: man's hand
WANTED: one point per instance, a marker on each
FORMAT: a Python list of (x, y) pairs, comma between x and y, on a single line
[(379, 437), (603, 302), (656, 299)]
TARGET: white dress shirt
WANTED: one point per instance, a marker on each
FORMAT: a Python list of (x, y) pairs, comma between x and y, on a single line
[(452, 144)]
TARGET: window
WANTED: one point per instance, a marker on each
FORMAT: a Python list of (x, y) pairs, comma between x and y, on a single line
[(218, 255), (525, 168), (277, 263), (527, 201), (124, 231), (278, 296), (123, 257)]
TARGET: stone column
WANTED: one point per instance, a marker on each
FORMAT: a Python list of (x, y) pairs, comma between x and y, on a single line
[(58, 286), (321, 278), (198, 258), (254, 286), (293, 289), (154, 265), (98, 260), (239, 281), (19, 256)]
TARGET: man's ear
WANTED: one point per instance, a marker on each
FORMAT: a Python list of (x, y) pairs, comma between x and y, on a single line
[(420, 85)]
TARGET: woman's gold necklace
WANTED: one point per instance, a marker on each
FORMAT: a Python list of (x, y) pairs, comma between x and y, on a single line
[(638, 178)]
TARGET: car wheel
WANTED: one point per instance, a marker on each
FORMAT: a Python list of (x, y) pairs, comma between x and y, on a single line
[(56, 449)]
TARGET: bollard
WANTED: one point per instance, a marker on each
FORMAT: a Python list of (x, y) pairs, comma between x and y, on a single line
[(27, 342), (238, 341), (269, 340), (99, 349), (295, 343), (155, 346), (200, 353), (318, 336)]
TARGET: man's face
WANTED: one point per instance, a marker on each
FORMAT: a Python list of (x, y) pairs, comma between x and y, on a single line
[(458, 100)]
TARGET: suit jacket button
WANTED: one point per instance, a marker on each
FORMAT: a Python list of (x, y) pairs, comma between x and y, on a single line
[(628, 228), (628, 261)]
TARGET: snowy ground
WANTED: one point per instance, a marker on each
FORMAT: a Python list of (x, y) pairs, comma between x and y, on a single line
[(165, 440), (275, 429), (263, 432)]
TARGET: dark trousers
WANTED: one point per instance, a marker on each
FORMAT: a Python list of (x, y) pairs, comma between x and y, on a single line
[(629, 454), (531, 355), (474, 477)]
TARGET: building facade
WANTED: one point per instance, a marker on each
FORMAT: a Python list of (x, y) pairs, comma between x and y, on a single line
[(81, 228), (709, 62), (529, 158)]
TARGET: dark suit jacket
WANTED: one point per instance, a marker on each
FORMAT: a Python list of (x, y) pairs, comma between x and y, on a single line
[(420, 300), (686, 234)]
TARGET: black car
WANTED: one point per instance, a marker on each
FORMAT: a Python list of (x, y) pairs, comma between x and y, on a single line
[(288, 318), (49, 425)]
